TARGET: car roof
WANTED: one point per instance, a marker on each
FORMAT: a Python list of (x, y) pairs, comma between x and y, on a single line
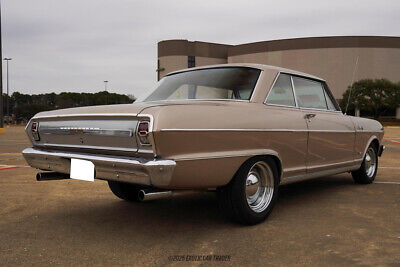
[(251, 65)]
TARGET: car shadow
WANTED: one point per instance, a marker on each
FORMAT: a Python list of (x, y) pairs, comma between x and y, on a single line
[(199, 210), (92, 220)]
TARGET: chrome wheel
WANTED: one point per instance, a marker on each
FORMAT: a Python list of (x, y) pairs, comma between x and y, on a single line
[(259, 186), (370, 162)]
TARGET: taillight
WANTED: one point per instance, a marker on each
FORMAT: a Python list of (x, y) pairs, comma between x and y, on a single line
[(143, 132), (35, 131)]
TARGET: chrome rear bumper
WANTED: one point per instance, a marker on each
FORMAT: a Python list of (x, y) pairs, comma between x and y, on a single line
[(143, 171)]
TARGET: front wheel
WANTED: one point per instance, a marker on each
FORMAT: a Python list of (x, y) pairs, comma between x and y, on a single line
[(369, 167), (252, 193)]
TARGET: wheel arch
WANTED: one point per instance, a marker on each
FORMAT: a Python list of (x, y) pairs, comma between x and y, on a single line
[(274, 156), (372, 140)]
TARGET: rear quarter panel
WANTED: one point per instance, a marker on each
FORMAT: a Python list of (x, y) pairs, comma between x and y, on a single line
[(210, 142)]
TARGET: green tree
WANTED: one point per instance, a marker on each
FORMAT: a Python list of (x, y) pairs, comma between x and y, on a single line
[(372, 96), (27, 111), (24, 106)]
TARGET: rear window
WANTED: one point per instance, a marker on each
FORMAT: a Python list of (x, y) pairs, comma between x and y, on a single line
[(213, 83)]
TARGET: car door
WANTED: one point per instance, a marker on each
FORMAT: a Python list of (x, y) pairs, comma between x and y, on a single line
[(289, 133), (331, 134)]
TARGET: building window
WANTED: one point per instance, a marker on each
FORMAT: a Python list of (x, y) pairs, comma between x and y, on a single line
[(191, 61)]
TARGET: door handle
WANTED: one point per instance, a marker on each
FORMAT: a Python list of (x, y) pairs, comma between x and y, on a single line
[(309, 116)]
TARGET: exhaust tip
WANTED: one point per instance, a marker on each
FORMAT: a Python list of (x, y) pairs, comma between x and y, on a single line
[(48, 176), (141, 195), (144, 195)]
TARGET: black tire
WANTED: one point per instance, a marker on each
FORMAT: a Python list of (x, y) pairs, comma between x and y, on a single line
[(364, 175), (233, 200), (125, 191)]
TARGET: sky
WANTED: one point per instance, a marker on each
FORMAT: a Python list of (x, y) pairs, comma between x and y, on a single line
[(74, 45)]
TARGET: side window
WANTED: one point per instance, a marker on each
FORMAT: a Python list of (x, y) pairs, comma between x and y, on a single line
[(282, 93), (329, 101), (309, 94)]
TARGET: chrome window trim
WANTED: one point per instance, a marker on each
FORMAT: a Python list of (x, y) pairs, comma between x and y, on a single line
[(315, 81), (325, 110), (211, 99), (295, 96), (255, 87), (328, 92), (283, 106), (294, 92), (326, 100), (272, 86)]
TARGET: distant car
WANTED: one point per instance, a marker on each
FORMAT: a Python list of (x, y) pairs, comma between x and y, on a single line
[(239, 129)]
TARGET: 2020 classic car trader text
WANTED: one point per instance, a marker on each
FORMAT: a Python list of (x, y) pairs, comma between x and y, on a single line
[(239, 129)]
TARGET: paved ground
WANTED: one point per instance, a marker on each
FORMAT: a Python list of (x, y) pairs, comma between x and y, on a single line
[(328, 221)]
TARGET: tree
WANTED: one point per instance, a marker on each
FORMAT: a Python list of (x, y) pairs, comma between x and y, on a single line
[(27, 111), (372, 96), (24, 106)]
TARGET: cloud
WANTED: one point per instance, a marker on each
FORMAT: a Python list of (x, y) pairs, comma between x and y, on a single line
[(74, 45)]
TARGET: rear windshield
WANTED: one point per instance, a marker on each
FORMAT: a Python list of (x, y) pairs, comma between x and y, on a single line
[(215, 83)]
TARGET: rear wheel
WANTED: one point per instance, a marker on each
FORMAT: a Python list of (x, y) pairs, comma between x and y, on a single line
[(252, 193), (125, 191), (369, 167)]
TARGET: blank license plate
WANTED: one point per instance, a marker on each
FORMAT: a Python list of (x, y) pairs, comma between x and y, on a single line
[(82, 170)]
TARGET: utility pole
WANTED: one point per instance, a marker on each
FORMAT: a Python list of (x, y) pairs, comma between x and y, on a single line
[(1, 77), (8, 93)]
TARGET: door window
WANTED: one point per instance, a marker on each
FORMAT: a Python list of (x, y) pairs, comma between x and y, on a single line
[(309, 94), (282, 92), (329, 101)]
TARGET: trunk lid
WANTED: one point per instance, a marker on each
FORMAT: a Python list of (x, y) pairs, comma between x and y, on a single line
[(97, 129)]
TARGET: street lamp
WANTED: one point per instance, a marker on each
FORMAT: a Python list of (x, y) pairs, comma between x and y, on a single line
[(1, 79), (8, 95), (105, 85)]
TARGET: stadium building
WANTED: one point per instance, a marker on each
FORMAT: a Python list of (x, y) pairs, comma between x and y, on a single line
[(331, 58)]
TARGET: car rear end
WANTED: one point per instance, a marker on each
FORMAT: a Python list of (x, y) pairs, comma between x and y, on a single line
[(119, 145)]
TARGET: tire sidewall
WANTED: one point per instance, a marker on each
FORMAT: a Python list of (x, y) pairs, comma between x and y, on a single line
[(371, 179), (240, 184)]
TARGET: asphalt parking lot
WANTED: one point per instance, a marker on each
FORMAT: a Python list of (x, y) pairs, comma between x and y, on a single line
[(327, 221)]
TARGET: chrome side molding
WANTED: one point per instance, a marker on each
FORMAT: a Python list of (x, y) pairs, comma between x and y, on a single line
[(308, 176)]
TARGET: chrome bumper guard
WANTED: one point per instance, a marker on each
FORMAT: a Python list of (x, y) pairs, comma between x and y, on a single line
[(143, 171)]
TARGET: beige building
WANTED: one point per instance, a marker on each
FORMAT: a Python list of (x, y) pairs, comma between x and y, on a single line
[(331, 58)]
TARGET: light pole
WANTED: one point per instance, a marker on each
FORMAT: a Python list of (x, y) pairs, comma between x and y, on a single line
[(105, 85), (8, 95), (1, 77)]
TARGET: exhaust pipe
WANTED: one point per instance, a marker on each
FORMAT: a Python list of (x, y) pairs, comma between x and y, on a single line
[(48, 176), (146, 196), (149, 194)]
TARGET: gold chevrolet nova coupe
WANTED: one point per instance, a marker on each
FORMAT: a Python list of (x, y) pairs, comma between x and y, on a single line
[(241, 130)]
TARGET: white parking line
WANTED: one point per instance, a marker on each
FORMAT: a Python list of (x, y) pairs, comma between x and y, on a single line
[(386, 182), (384, 167)]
